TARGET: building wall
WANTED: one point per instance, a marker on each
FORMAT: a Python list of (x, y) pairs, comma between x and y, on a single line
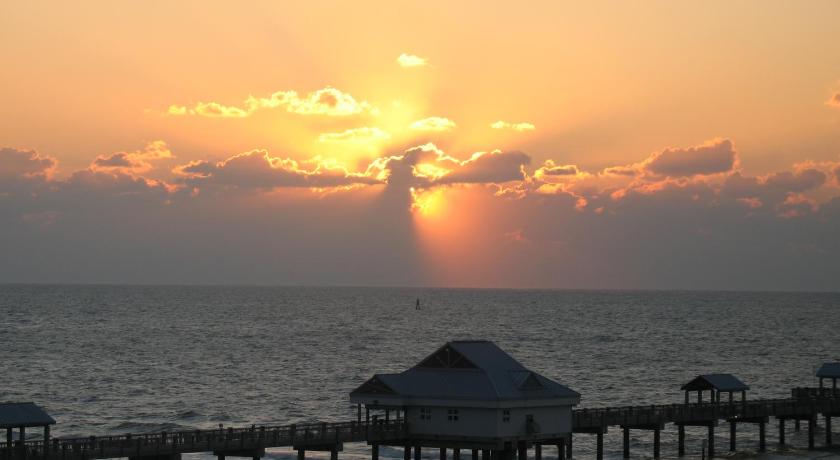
[(489, 422)]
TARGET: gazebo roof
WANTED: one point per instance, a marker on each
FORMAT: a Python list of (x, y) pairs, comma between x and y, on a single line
[(829, 370), (16, 415), (720, 382), (467, 370)]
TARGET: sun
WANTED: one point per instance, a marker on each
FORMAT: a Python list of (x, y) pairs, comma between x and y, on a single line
[(426, 203)]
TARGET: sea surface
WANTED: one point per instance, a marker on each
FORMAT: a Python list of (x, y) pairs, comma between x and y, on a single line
[(118, 359)]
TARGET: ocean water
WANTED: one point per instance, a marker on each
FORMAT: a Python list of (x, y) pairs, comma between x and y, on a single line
[(117, 359)]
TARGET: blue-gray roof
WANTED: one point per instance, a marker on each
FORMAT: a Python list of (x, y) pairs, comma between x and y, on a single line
[(720, 382), (472, 370), (830, 370), (15, 415)]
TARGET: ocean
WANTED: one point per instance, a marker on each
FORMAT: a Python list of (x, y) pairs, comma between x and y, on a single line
[(118, 359)]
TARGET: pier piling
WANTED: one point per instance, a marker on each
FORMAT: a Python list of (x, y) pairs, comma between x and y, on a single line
[(681, 440), (781, 432), (599, 446), (626, 441), (656, 443), (711, 440), (732, 430)]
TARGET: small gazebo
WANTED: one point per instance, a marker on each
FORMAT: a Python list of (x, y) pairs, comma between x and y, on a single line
[(23, 416), (829, 371), (716, 384)]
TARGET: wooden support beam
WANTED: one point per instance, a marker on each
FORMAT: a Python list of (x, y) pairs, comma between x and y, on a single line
[(781, 432), (443, 453), (561, 450), (828, 430), (762, 438), (711, 441), (625, 441), (522, 451), (732, 430), (811, 427), (485, 454), (301, 454), (796, 425), (599, 445), (537, 451), (656, 449), (474, 454), (681, 440), (417, 453), (334, 454), (569, 447), (374, 451), (456, 454), (407, 452)]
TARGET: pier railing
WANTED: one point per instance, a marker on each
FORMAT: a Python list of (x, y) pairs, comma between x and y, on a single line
[(217, 440), (652, 415)]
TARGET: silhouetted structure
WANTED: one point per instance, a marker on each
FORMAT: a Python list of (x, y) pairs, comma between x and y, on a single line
[(22, 416), (471, 394), (441, 383)]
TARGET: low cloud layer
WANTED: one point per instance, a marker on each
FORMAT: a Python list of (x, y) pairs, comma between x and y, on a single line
[(327, 101), (685, 217)]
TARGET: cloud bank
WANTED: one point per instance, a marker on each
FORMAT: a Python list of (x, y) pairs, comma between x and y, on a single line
[(684, 217)]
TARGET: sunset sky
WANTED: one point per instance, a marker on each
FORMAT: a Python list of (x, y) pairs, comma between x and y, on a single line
[(541, 144)]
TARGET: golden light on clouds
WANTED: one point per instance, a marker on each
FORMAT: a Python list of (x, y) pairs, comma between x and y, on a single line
[(364, 135), (521, 126), (427, 203), (410, 60), (327, 101), (438, 124)]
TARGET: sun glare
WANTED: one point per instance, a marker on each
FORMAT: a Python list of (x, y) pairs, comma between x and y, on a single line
[(426, 203)]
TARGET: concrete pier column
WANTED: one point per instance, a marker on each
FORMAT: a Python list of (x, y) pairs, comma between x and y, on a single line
[(456, 454), (626, 441), (680, 440), (762, 438), (443, 453), (417, 453), (781, 432), (537, 451), (522, 451), (599, 446), (301, 454), (811, 426), (407, 452), (827, 430), (732, 430), (656, 443), (711, 441), (374, 451)]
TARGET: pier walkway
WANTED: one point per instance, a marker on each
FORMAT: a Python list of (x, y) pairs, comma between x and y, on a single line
[(804, 405)]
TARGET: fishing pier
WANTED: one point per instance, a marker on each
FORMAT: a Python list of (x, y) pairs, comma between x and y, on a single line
[(445, 426)]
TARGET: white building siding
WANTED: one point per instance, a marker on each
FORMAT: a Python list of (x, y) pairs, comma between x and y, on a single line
[(489, 422)]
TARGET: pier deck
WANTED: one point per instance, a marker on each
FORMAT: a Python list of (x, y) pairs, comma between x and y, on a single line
[(806, 404)]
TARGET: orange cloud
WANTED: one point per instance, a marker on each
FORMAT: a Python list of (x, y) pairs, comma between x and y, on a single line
[(133, 162), (834, 100), (259, 170), (712, 157), (25, 163), (326, 101)]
